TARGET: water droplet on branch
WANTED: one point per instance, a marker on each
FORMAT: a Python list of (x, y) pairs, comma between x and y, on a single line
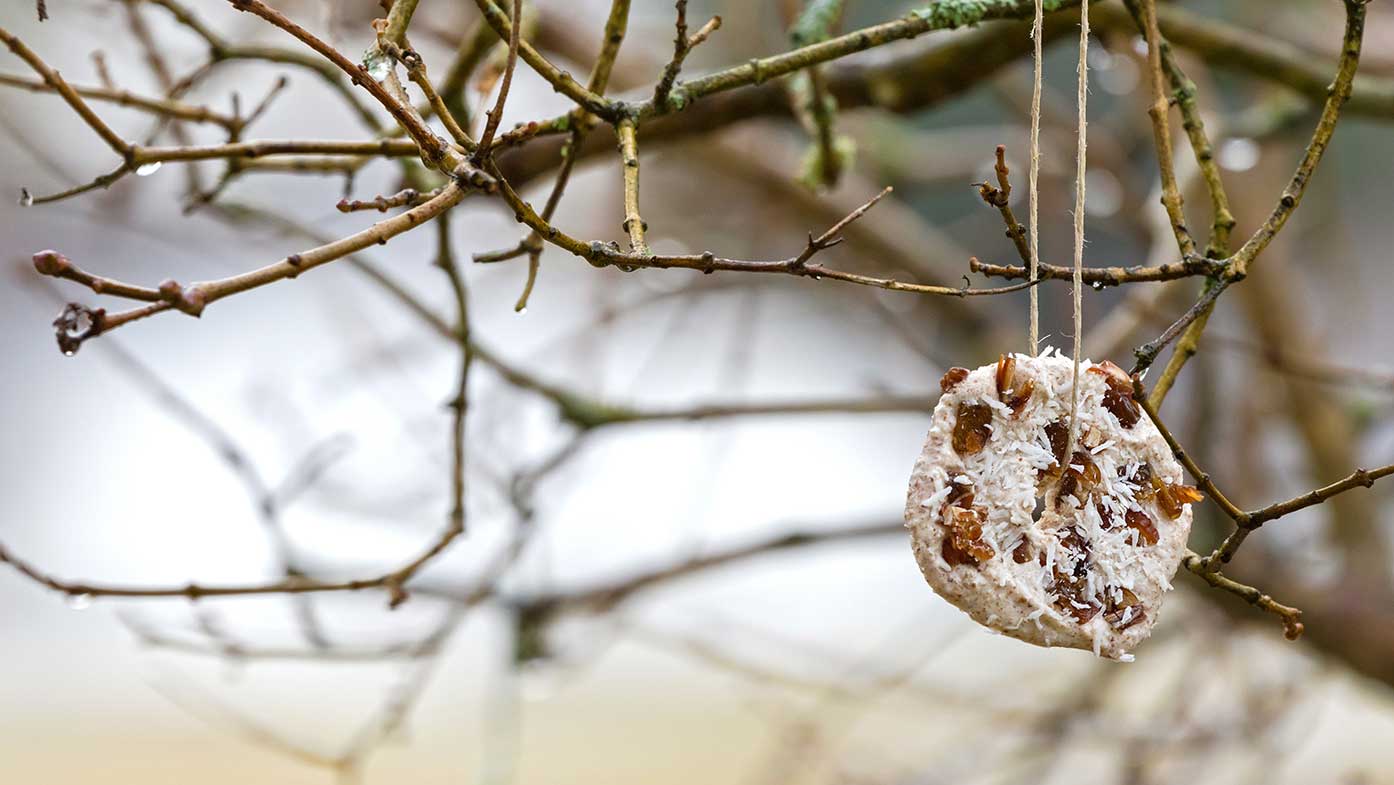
[(145, 170), (378, 66)]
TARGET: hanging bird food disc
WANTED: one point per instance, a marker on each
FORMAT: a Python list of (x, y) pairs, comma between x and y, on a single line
[(1054, 553)]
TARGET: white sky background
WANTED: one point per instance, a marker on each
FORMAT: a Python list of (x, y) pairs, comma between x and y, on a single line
[(98, 483)]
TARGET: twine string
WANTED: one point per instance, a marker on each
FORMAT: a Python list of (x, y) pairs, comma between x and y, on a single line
[(1035, 173), (1081, 151)]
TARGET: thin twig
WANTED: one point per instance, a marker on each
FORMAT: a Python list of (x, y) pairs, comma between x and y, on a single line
[(398, 20), (1001, 198), (407, 197), (1161, 130), (937, 16), (432, 147), (1206, 484), (155, 59), (1247, 50), (1222, 218), (1195, 319), (1360, 478), (634, 224), (55, 81), (221, 51), (1291, 617), (56, 265), (616, 25), (495, 115), (394, 148), (1337, 96), (682, 47), (814, 106), (416, 71), (1208, 568), (160, 106), (600, 254), (474, 47), (459, 404), (194, 298), (1104, 276), (502, 24), (1197, 314)]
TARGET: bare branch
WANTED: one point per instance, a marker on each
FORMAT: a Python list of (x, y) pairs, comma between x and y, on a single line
[(56, 265), (1291, 617), (398, 19), (56, 82), (495, 115), (433, 149), (1194, 321), (629, 158), (559, 79), (1337, 95), (1161, 130), (1001, 198), (160, 106), (407, 197), (1140, 395), (600, 254), (194, 298), (682, 46), (1105, 276), (938, 16)]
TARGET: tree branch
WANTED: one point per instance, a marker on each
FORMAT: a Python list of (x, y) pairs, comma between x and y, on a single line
[(194, 298), (682, 47), (1290, 617), (165, 107), (56, 82), (491, 126), (1105, 276), (629, 157), (1161, 131)]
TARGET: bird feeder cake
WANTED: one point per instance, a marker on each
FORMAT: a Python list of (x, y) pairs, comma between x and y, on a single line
[(1051, 551)]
